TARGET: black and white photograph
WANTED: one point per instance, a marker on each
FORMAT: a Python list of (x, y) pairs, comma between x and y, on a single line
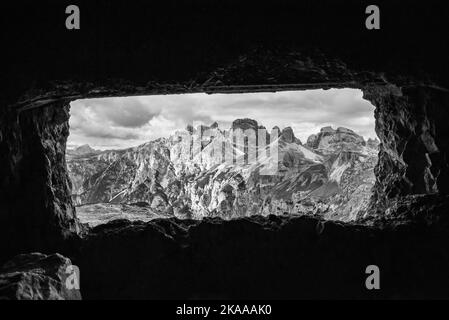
[(224, 159)]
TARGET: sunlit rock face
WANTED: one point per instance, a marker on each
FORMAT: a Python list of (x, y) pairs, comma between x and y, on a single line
[(133, 175), (329, 140), (209, 171)]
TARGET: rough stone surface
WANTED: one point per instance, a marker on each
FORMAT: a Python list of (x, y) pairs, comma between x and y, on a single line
[(412, 126), (329, 140), (332, 180), (288, 136), (36, 276), (402, 70), (35, 196), (262, 257)]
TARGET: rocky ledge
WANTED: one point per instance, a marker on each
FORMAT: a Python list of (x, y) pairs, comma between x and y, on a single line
[(263, 257), (36, 276), (273, 257)]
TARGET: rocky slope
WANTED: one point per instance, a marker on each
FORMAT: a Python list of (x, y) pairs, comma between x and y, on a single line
[(243, 171)]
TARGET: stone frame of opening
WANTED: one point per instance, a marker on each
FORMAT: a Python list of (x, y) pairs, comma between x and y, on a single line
[(37, 126), (244, 46)]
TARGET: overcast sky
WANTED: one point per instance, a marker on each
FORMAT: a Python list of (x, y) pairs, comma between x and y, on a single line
[(113, 123)]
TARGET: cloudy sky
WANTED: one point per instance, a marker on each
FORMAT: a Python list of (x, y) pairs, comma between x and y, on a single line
[(112, 123)]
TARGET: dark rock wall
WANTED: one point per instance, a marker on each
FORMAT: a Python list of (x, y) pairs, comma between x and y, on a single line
[(140, 43), (144, 47), (411, 123), (261, 258), (35, 204)]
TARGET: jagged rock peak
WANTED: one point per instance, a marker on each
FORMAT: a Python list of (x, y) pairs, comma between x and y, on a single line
[(288, 135), (85, 148), (312, 140), (200, 128), (244, 124), (214, 125), (190, 128), (345, 130), (327, 129), (331, 130), (373, 143), (329, 136)]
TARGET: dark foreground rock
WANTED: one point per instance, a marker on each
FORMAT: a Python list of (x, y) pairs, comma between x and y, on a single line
[(403, 72), (271, 257), (36, 276)]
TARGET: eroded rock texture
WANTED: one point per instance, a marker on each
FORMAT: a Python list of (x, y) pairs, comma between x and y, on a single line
[(261, 257), (411, 123), (321, 44), (214, 173), (38, 212), (37, 276), (35, 204)]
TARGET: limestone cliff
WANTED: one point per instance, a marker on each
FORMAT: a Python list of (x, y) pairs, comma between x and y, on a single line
[(208, 171)]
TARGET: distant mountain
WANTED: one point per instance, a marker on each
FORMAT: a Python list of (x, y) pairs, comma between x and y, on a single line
[(329, 140), (82, 151), (207, 171)]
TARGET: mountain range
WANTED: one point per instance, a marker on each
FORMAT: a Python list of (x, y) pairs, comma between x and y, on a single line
[(236, 172)]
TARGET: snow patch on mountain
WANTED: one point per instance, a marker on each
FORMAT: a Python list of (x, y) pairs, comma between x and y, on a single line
[(337, 171)]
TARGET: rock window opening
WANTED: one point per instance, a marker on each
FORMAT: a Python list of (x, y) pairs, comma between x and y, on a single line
[(310, 152)]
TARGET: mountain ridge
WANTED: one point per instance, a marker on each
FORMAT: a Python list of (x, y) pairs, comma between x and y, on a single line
[(187, 175)]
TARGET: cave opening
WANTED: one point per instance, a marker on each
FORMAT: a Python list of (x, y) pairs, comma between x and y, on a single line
[(228, 155), (410, 192), (232, 48)]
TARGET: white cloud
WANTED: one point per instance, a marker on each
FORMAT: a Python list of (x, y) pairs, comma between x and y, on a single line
[(129, 121)]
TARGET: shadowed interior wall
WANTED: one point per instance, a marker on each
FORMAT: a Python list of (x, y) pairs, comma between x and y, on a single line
[(37, 210), (146, 49), (413, 157)]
